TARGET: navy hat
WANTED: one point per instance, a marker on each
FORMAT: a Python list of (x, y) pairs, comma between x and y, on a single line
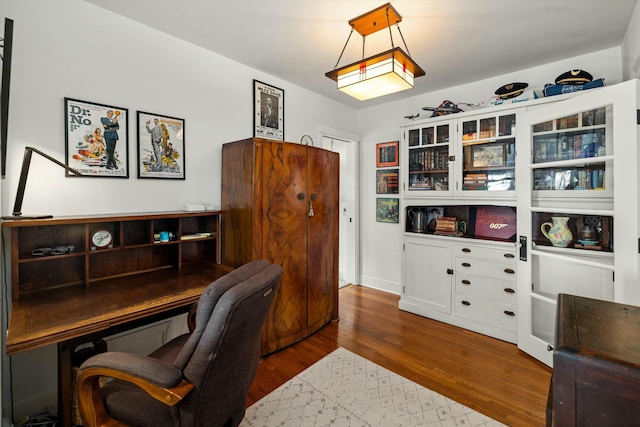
[(574, 77), (511, 90)]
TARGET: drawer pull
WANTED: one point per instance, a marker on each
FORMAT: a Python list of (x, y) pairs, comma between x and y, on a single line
[(549, 347), (509, 291), (466, 264), (466, 303), (466, 250), (509, 271), (509, 256), (449, 270), (509, 313), (466, 282)]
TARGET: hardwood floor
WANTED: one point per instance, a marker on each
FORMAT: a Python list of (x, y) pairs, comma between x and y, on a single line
[(488, 375)]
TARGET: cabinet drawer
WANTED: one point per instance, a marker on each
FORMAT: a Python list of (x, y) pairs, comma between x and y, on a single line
[(497, 290), (495, 270), (507, 254), (486, 311)]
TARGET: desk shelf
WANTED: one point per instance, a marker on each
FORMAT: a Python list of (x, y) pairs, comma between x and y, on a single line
[(135, 248)]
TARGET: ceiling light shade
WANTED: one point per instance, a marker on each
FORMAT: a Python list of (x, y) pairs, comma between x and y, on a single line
[(382, 74), (387, 72)]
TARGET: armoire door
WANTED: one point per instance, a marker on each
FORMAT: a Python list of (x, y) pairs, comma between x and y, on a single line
[(323, 188), (283, 200)]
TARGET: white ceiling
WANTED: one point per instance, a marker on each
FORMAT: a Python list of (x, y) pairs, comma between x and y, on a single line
[(454, 41)]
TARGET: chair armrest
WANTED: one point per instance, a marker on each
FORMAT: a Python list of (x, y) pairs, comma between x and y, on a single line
[(159, 379), (149, 369)]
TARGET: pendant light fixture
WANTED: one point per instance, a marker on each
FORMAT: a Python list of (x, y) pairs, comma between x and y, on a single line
[(387, 72)]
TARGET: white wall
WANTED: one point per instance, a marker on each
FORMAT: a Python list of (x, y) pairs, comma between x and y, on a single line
[(631, 47), (381, 244), (71, 48)]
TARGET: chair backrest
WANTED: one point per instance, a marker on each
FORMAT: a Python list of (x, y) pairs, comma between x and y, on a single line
[(224, 361), (208, 301)]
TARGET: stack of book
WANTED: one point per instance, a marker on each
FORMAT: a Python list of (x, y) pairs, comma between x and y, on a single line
[(475, 181)]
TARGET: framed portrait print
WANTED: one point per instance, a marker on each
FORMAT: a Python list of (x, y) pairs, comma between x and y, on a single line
[(387, 210), (96, 138), (387, 154), (268, 111), (387, 181), (161, 146)]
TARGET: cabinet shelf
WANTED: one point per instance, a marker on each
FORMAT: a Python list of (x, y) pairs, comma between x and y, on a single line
[(572, 163), (134, 249)]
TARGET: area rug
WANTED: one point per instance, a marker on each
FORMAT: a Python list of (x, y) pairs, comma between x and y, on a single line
[(344, 389)]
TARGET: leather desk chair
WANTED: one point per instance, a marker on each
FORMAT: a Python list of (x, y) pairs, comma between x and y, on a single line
[(201, 378)]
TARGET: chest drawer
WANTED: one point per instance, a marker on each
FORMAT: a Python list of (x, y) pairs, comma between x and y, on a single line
[(500, 254), (483, 287), (489, 312), (479, 267)]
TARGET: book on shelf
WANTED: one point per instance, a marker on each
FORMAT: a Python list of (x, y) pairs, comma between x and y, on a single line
[(197, 236)]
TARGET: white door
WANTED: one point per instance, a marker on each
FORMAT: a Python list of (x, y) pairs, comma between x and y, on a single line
[(577, 165), (348, 238)]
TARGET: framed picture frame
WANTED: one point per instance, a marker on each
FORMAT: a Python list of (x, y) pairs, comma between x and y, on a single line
[(96, 139), (161, 146), (387, 181), (387, 154), (387, 210), (268, 111), (490, 155)]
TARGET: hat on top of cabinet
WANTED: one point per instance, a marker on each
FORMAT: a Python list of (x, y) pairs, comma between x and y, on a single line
[(574, 77), (511, 90)]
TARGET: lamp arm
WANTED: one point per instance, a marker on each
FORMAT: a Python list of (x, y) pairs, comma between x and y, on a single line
[(24, 172)]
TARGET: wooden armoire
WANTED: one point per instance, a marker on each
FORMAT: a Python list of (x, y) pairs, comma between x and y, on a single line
[(281, 203)]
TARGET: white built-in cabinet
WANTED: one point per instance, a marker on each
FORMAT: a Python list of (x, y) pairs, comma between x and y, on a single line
[(570, 158), (580, 162)]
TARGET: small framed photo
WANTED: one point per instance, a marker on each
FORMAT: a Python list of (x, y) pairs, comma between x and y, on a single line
[(387, 181), (490, 155), (387, 154), (161, 146), (387, 210), (96, 138), (268, 111)]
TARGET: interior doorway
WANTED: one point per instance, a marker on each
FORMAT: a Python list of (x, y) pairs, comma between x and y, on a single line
[(349, 250)]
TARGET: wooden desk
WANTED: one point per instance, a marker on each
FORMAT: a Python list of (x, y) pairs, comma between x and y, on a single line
[(77, 297), (596, 364)]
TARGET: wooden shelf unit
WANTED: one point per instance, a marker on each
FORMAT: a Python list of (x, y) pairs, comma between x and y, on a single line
[(136, 248)]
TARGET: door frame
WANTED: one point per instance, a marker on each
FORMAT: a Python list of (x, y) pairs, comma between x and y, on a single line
[(352, 141)]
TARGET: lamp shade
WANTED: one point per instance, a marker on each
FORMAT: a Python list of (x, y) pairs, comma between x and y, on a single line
[(382, 74)]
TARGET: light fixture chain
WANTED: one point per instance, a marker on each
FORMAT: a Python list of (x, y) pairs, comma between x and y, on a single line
[(389, 26), (402, 37), (345, 46), (363, 40)]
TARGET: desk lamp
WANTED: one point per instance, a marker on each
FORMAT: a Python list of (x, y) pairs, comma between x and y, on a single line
[(26, 162)]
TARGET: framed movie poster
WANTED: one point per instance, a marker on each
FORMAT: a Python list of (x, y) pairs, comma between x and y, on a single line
[(161, 146), (268, 111), (387, 154), (97, 139), (387, 181), (387, 210)]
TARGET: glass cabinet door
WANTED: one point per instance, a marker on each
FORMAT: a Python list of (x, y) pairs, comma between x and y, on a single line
[(578, 232), (428, 154), (488, 148), (572, 153)]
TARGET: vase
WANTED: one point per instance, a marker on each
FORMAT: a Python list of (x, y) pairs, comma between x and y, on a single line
[(557, 231)]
